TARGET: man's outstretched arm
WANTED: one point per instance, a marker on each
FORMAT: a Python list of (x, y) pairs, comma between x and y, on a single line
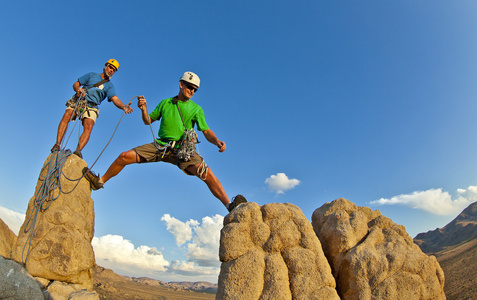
[(119, 104), (212, 138)]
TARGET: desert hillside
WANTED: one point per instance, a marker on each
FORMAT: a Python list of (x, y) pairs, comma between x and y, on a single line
[(110, 285), (455, 246)]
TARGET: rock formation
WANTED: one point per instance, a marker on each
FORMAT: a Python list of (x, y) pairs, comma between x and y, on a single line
[(271, 252), (55, 241), (7, 240), (374, 258)]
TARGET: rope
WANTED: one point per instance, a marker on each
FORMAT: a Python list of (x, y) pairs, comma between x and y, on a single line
[(114, 132), (48, 191)]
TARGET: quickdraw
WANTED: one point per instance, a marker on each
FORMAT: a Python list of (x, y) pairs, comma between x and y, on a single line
[(187, 144)]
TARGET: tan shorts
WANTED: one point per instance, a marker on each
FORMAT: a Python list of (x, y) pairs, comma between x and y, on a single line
[(151, 153), (90, 113)]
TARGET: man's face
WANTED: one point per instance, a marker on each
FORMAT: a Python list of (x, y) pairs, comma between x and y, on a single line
[(109, 70), (188, 89)]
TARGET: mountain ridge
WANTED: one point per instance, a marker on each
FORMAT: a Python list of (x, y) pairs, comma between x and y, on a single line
[(460, 230)]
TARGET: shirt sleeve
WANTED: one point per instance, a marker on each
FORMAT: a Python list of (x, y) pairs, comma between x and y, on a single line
[(85, 78), (200, 121), (156, 113), (111, 92)]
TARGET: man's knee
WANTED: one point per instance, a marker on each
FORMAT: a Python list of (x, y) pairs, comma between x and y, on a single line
[(67, 115), (128, 157), (88, 125)]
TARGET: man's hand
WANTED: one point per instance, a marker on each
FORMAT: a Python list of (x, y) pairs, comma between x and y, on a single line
[(221, 145), (141, 103), (80, 92), (212, 138), (127, 108)]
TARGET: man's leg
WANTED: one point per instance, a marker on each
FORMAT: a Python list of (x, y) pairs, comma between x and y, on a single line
[(212, 182), (84, 138), (63, 125), (124, 159)]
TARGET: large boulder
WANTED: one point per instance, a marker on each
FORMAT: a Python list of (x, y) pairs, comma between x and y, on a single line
[(374, 258), (7, 239), (16, 283), (55, 239), (271, 252)]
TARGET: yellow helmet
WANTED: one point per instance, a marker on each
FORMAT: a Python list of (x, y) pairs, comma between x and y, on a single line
[(113, 62)]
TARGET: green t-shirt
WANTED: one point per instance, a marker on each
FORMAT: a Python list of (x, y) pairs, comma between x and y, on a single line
[(171, 127)]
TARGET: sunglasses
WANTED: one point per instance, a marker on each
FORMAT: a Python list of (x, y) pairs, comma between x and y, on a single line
[(190, 87), (112, 67)]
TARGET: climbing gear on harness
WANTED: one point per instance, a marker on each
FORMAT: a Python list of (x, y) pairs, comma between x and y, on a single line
[(80, 103), (236, 201), (78, 153), (188, 140), (56, 147), (94, 180), (166, 147), (191, 78)]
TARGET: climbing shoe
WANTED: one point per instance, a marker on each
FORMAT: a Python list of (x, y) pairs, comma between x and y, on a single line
[(93, 179), (56, 147), (78, 153), (236, 201)]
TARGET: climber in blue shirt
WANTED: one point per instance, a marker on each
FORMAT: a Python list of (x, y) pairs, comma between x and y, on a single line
[(91, 89)]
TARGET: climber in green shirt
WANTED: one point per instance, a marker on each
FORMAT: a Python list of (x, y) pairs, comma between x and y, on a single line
[(175, 144)]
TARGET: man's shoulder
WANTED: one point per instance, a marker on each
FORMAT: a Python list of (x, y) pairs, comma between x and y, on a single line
[(91, 74), (194, 104)]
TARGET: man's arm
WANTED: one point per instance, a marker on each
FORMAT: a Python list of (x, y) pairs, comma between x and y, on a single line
[(78, 89), (212, 138), (142, 104), (119, 104)]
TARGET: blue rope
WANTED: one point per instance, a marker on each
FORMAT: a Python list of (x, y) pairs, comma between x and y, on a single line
[(48, 191)]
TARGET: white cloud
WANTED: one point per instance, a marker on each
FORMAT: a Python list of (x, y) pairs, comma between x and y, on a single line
[(13, 219), (181, 231), (115, 250), (281, 183), (434, 201), (202, 240), (204, 248)]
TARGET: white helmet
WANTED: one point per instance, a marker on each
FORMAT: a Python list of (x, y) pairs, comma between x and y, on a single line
[(191, 78)]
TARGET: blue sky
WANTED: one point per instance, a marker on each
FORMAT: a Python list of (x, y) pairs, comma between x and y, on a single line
[(373, 101)]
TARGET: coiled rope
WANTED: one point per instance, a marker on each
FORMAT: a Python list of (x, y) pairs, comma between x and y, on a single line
[(48, 191)]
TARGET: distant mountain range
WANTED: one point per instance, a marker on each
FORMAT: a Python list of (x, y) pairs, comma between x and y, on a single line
[(455, 247), (110, 285)]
